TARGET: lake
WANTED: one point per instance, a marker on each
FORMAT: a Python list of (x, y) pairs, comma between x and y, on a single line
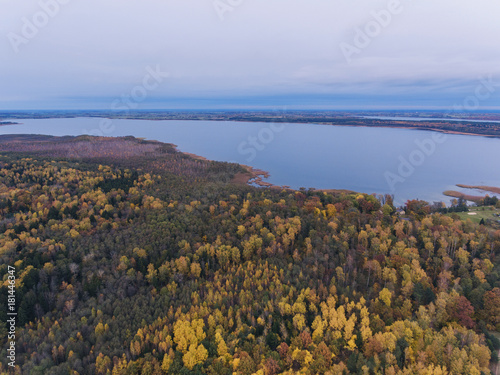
[(407, 163), (399, 118)]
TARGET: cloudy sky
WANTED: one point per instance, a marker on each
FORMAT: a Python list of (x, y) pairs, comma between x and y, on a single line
[(338, 54)]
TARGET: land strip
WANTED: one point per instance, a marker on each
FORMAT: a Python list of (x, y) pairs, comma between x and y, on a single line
[(471, 124)]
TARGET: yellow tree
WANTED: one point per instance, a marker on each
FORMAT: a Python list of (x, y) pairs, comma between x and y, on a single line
[(195, 355), (366, 332), (188, 333), (188, 336), (221, 344), (385, 296), (348, 333)]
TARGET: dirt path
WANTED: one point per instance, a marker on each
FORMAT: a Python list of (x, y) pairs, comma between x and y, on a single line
[(495, 369)]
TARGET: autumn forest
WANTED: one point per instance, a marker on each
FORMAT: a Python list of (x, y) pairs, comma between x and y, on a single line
[(131, 257)]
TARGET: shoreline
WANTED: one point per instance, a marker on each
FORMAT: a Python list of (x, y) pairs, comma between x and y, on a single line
[(444, 131), (194, 156), (406, 126), (469, 197), (490, 189), (256, 176), (252, 176)]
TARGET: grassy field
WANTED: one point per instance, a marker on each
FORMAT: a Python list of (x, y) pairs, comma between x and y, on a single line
[(480, 213)]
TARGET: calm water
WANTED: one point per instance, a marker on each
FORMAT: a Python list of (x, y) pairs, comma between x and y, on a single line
[(426, 119), (371, 160)]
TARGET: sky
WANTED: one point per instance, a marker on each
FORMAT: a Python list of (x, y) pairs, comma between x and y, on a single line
[(249, 54)]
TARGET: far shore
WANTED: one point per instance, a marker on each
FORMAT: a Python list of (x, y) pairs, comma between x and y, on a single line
[(444, 131), (457, 194), (471, 198), (491, 189), (394, 124)]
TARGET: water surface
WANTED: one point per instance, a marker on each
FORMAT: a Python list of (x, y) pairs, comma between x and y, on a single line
[(364, 159), (400, 118)]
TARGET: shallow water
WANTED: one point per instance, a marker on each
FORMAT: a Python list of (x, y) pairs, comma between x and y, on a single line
[(427, 119)]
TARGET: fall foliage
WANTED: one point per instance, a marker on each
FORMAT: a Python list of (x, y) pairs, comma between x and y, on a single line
[(147, 270)]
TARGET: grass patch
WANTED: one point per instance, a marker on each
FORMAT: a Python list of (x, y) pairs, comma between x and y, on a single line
[(486, 213)]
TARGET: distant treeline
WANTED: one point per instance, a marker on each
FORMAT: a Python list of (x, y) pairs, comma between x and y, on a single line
[(290, 116)]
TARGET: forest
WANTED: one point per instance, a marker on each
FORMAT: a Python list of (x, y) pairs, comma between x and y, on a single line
[(133, 258)]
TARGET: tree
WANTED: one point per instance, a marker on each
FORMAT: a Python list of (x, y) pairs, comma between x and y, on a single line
[(188, 335), (417, 207), (461, 310), (195, 355), (492, 308), (385, 296)]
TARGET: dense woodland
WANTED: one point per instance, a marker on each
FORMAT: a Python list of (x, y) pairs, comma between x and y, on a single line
[(156, 263)]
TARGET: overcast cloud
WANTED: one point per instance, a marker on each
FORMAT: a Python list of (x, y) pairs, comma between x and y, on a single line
[(262, 53)]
